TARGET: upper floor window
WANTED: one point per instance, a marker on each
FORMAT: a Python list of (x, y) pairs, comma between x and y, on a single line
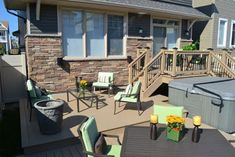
[(222, 32), (2, 33), (232, 34), (90, 34)]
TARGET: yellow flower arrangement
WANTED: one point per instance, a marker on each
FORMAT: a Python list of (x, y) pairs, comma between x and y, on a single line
[(175, 122), (83, 84)]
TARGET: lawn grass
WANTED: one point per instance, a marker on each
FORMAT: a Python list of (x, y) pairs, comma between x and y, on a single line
[(10, 137)]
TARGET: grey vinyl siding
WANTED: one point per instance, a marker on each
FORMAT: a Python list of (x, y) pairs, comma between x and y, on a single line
[(226, 10), (137, 22), (48, 20), (209, 29)]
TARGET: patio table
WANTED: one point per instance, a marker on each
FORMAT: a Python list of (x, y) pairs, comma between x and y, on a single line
[(81, 97), (137, 143)]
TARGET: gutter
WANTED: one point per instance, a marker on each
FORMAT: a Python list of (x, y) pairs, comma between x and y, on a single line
[(12, 13)]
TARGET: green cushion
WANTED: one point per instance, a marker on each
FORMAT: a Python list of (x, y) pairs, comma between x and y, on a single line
[(30, 88), (164, 111), (38, 91), (119, 97), (136, 88), (89, 134), (101, 84), (114, 150)]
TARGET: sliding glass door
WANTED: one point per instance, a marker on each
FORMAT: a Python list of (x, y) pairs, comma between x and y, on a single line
[(165, 34), (159, 39)]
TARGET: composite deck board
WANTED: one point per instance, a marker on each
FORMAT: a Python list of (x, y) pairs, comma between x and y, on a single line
[(68, 151), (31, 137)]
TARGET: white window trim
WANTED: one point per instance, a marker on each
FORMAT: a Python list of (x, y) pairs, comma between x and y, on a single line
[(225, 33), (106, 13), (231, 33)]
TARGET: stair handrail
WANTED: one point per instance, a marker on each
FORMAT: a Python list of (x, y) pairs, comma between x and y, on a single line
[(231, 73), (135, 62), (145, 69)]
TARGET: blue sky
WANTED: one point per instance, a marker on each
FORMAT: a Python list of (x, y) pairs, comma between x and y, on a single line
[(4, 15)]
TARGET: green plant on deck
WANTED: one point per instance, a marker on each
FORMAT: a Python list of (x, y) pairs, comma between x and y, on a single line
[(193, 46)]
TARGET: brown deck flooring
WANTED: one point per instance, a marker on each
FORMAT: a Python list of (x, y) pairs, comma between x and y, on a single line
[(67, 151), (66, 143), (106, 120)]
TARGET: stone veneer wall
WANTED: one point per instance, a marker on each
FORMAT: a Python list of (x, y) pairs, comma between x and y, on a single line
[(42, 53), (134, 43)]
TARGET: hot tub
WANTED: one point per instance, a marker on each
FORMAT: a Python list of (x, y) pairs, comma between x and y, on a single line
[(211, 97)]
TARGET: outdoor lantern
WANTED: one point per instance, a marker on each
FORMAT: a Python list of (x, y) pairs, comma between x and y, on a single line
[(59, 61), (129, 59)]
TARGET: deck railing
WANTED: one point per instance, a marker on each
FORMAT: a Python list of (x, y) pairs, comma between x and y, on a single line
[(181, 63), (219, 68), (153, 69), (136, 66)]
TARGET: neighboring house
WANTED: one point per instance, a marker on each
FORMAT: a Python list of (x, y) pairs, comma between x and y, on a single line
[(5, 45), (98, 35), (219, 32)]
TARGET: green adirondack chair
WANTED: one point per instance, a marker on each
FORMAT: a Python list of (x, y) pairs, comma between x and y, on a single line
[(89, 134), (163, 111), (133, 97)]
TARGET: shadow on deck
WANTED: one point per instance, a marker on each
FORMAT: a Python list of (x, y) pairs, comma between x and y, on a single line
[(33, 141)]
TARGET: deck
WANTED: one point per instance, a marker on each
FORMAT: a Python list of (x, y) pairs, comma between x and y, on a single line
[(66, 143), (106, 120)]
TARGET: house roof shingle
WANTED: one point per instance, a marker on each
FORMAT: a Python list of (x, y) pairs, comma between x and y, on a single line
[(158, 6)]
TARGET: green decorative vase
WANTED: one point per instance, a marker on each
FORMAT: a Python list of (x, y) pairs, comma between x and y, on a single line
[(81, 91), (174, 135)]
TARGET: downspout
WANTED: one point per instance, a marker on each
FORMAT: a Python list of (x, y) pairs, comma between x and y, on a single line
[(16, 15), (24, 19)]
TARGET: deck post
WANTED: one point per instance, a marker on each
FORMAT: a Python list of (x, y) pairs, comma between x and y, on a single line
[(224, 52), (147, 55), (163, 59), (174, 62), (209, 62), (139, 52), (130, 74), (145, 78)]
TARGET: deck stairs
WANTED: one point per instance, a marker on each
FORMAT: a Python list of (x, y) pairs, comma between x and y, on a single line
[(169, 65)]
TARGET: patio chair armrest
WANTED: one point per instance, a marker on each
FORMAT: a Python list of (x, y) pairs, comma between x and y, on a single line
[(97, 155), (113, 136)]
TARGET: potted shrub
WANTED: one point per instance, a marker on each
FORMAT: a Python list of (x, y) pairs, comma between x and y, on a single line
[(175, 126)]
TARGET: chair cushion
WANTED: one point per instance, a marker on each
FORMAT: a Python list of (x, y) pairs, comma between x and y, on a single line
[(100, 145), (30, 88), (101, 84), (38, 91), (136, 88), (163, 111), (114, 150), (89, 134), (128, 90), (105, 77), (120, 97)]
